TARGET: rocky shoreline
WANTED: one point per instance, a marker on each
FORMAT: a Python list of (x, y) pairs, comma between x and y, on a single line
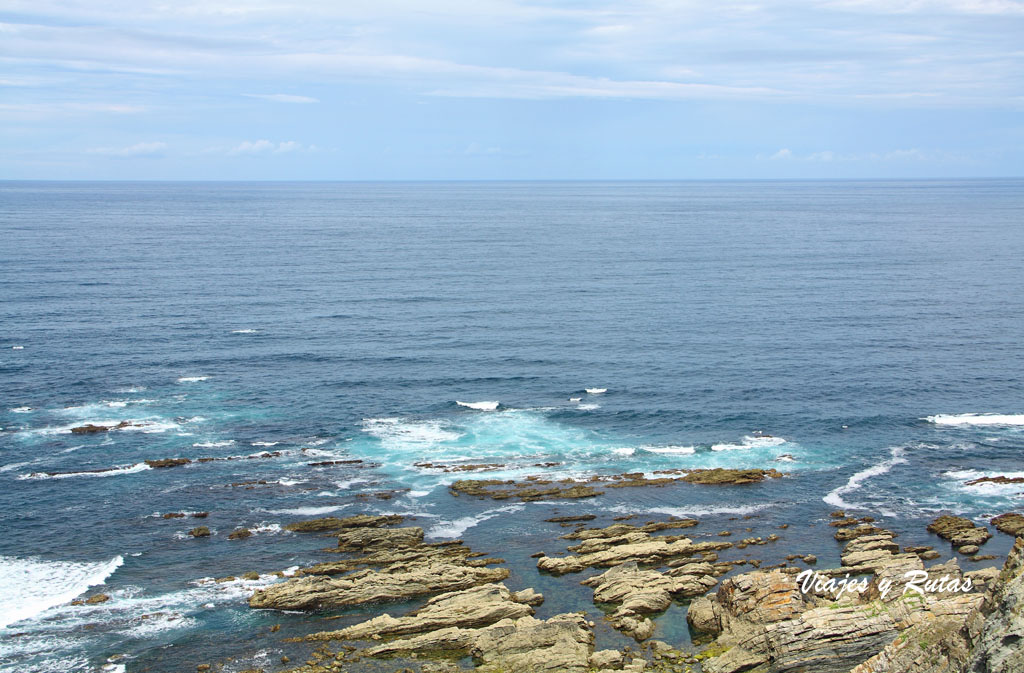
[(447, 607)]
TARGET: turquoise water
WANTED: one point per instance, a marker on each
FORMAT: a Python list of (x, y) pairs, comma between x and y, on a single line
[(842, 332)]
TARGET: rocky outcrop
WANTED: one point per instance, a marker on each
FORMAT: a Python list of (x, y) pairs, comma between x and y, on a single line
[(334, 523), (168, 462), (639, 593), (765, 620), (999, 647), (367, 539), (1010, 523), (621, 543), (524, 645), (470, 608), (721, 475), (200, 531), (959, 531), (372, 586), (89, 429)]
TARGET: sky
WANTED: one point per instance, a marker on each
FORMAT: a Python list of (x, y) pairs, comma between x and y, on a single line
[(510, 89)]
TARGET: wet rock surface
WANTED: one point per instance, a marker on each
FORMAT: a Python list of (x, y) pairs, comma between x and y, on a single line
[(959, 531)]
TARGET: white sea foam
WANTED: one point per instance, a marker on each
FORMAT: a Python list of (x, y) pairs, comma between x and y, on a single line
[(307, 511), (835, 496), (985, 488), (17, 348), (453, 529), (112, 472), (214, 445), (596, 391), (192, 379), (21, 410), (691, 510), (750, 442), (418, 494), (588, 407), (29, 587), (397, 433), (479, 406), (265, 443), (977, 419), (624, 451), (245, 331), (671, 450)]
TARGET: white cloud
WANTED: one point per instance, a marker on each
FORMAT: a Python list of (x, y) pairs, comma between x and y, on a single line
[(264, 147), (282, 97), (899, 155), (153, 149)]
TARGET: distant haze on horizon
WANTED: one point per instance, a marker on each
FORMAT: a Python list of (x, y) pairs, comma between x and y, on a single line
[(509, 89)]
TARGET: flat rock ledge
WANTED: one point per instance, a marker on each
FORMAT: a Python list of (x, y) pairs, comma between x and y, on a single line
[(639, 593), (959, 531), (470, 608), (395, 565), (621, 543), (524, 645), (536, 487)]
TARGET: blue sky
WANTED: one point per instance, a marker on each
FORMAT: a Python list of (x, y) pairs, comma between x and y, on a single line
[(509, 89)]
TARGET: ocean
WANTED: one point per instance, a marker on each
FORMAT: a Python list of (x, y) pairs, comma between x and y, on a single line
[(863, 337)]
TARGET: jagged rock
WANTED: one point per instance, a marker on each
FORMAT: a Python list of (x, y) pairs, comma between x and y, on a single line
[(470, 608), (174, 515), (334, 523), (1010, 523), (525, 645), (200, 531), (959, 531), (370, 586), (97, 598), (935, 646), (765, 622), (999, 648), (240, 534), (969, 549), (362, 539)]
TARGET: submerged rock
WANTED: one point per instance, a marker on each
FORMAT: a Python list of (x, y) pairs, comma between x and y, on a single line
[(89, 429), (168, 462), (721, 475), (334, 523)]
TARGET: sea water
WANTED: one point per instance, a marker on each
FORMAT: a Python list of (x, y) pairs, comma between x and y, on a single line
[(863, 337)]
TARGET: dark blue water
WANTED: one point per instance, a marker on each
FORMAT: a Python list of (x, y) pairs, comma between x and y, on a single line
[(856, 323)]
